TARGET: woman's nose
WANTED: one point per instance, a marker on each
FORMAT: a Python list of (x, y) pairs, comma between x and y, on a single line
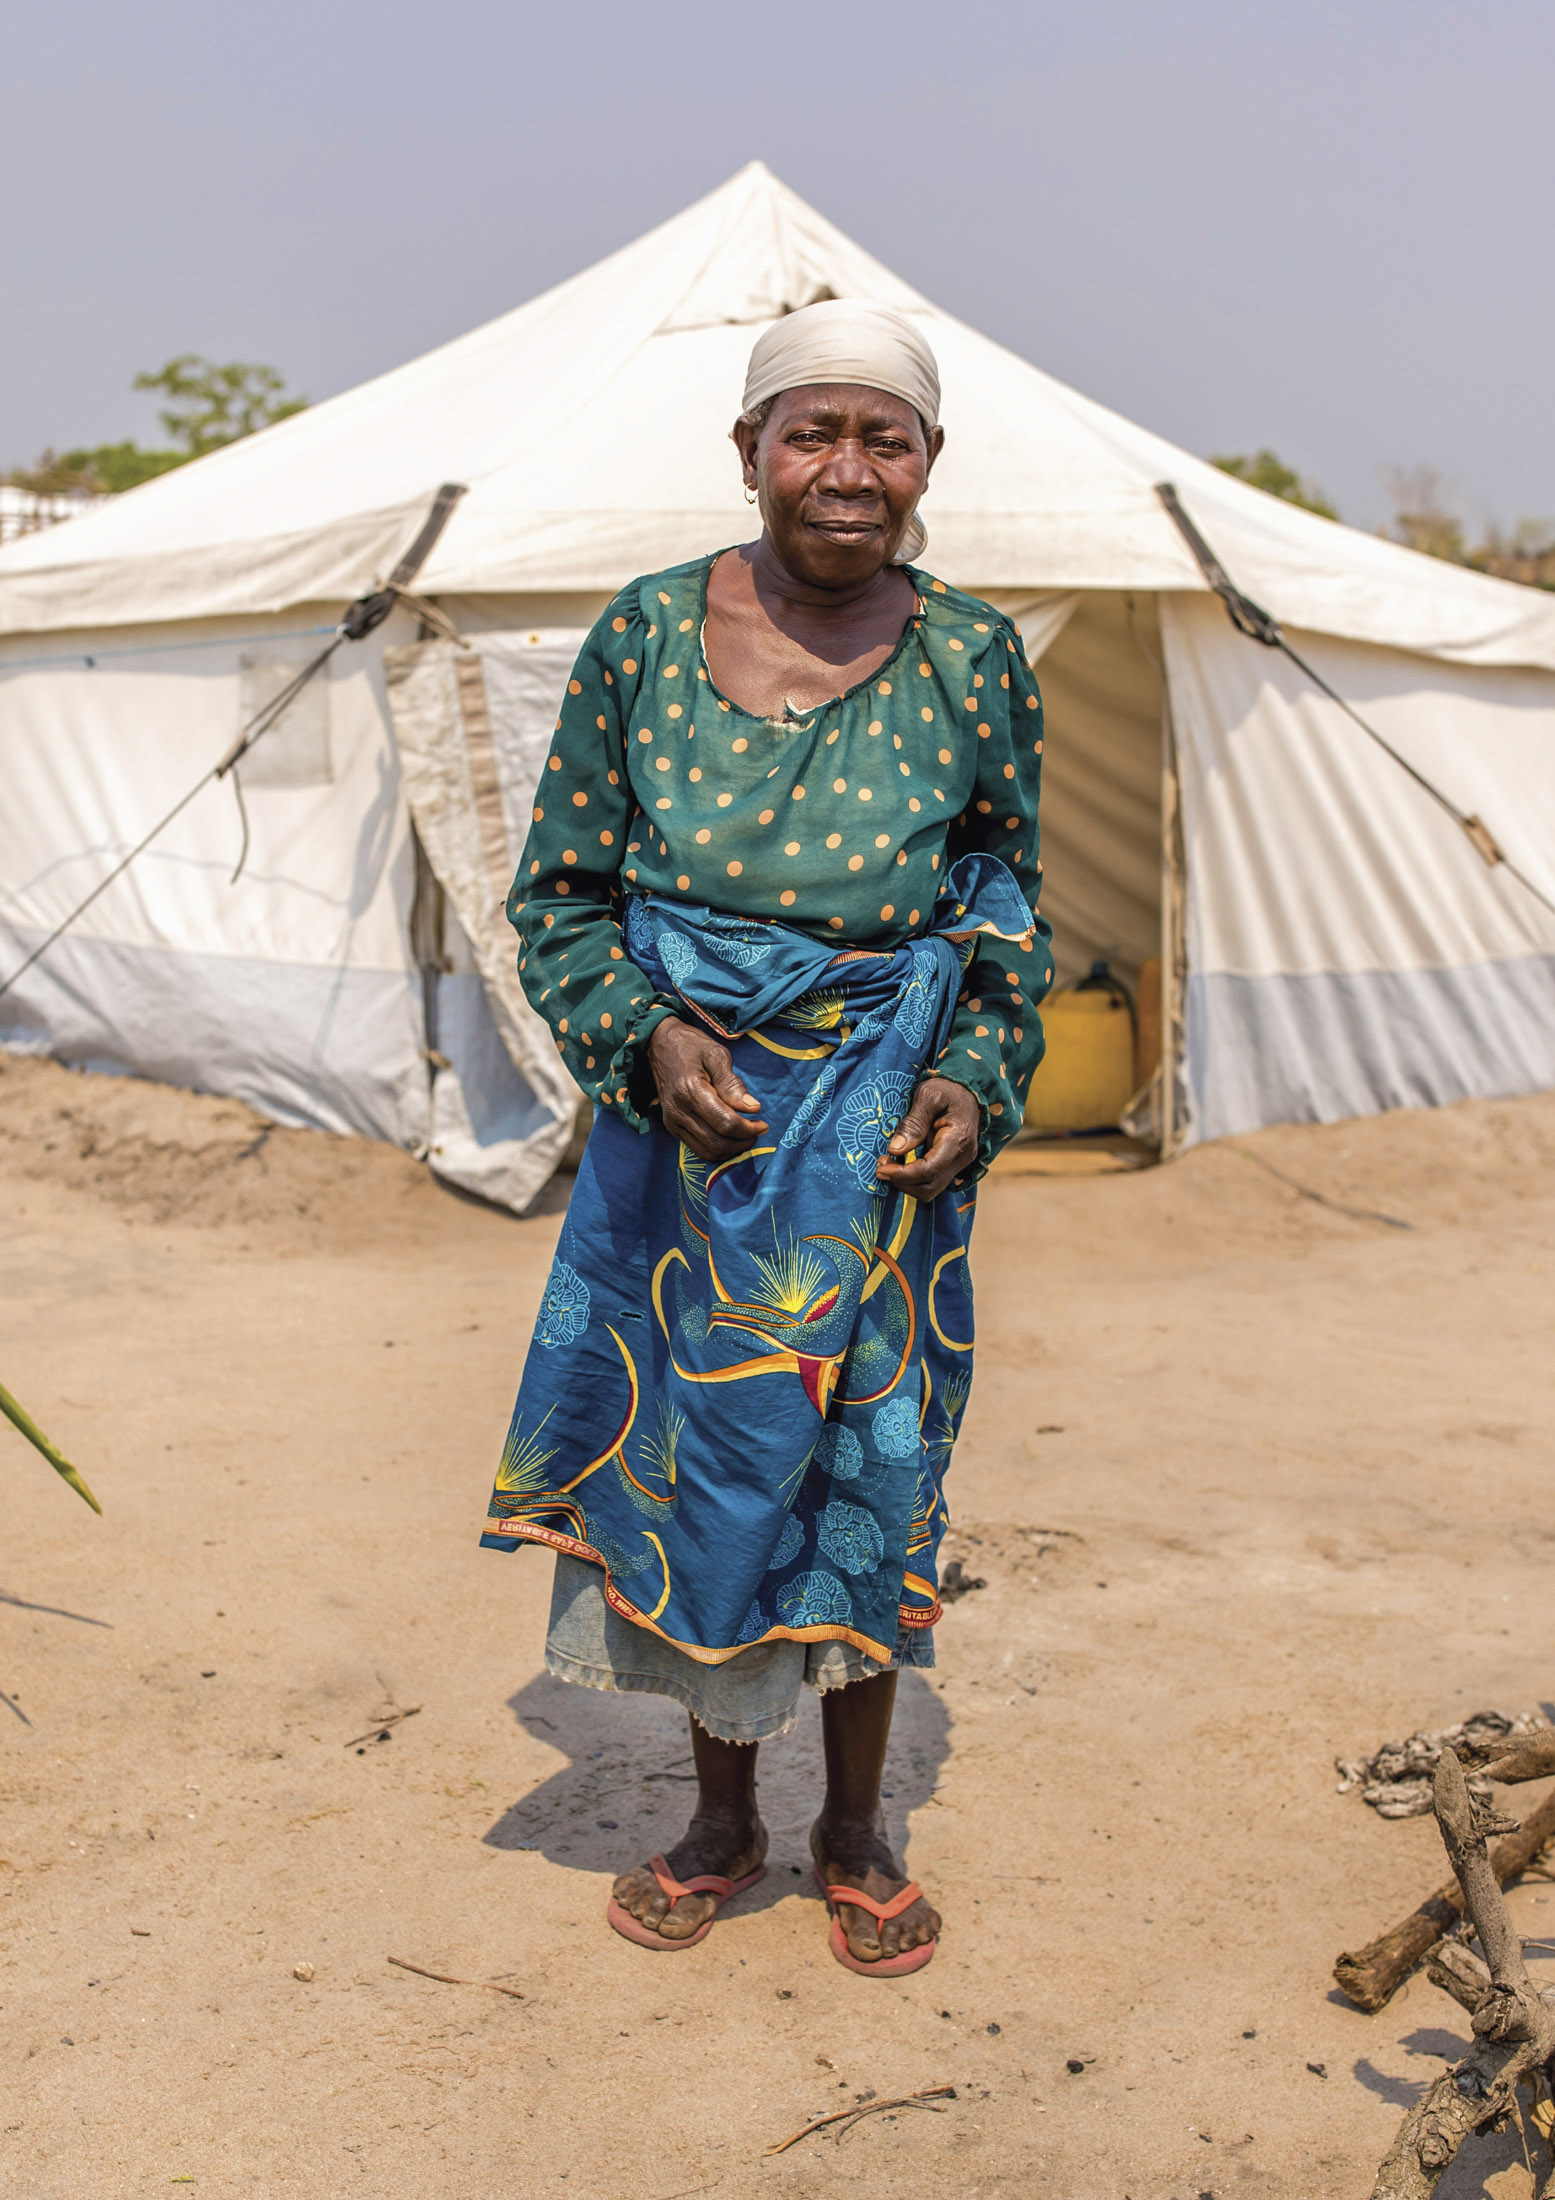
[(850, 471)]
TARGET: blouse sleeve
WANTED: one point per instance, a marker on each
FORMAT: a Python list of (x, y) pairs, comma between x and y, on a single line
[(565, 903), (995, 1040)]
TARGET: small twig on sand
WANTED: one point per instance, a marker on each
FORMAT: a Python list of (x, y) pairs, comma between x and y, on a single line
[(855, 2114), (380, 1725), (443, 1978)]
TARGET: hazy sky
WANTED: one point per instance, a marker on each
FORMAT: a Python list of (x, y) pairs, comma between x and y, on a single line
[(1326, 227)]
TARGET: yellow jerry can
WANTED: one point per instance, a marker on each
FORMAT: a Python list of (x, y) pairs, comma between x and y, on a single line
[(1086, 1077)]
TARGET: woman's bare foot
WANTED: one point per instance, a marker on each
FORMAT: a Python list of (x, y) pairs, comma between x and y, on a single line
[(856, 1853), (730, 1843)]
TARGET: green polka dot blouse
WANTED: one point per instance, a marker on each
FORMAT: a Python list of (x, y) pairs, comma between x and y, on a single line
[(841, 824)]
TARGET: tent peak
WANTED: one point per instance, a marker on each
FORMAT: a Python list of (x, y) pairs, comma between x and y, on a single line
[(771, 253)]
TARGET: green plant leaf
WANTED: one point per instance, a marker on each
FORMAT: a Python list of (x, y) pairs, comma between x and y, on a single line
[(34, 1435)]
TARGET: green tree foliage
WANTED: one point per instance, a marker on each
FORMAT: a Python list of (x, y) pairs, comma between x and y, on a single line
[(209, 406), (101, 471), (1265, 470), (213, 405)]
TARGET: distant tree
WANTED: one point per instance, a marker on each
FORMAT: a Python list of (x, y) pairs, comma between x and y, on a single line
[(1527, 554), (1423, 517), (211, 406), (102, 471), (1264, 470)]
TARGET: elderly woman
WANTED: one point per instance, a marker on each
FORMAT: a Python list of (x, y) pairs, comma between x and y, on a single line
[(777, 909)]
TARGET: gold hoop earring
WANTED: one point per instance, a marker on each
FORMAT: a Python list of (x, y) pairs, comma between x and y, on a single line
[(751, 495)]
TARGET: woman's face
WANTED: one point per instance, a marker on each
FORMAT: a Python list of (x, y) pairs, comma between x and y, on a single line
[(840, 469)]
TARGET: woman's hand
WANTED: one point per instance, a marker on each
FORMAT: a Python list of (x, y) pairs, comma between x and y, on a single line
[(944, 1122), (702, 1100)]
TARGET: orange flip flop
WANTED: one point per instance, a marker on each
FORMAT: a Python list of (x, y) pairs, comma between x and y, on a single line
[(888, 1966), (705, 1883)]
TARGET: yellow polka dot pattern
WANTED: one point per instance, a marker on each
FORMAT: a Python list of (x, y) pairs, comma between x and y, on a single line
[(785, 823)]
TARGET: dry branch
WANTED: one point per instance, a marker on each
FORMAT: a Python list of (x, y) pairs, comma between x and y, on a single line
[(1458, 1971), (925, 2099), (443, 1978), (381, 1726), (1373, 1974), (1531, 1758), (1514, 2025)]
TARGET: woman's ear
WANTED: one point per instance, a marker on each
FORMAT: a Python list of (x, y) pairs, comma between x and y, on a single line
[(936, 445), (745, 436)]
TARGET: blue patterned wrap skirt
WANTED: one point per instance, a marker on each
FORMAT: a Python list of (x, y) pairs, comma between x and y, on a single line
[(747, 1376)]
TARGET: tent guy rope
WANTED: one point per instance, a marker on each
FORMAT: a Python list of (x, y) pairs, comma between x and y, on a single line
[(362, 616), (1258, 625)]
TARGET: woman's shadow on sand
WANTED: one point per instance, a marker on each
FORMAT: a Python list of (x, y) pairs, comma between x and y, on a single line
[(627, 1787)]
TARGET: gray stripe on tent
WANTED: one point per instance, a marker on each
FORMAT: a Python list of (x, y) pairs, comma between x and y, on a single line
[(1318, 1048)]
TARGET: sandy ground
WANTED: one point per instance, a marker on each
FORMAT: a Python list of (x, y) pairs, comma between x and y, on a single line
[(1251, 1481)]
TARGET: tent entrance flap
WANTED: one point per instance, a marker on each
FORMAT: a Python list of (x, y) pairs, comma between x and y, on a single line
[(473, 723), (1101, 786), (1105, 837)]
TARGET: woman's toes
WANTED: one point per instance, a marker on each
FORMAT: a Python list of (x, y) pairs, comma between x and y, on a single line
[(864, 1938)]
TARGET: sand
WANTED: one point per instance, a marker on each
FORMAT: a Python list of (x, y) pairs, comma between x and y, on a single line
[(1252, 1481)]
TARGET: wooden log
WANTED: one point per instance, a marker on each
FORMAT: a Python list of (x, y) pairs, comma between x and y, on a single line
[(1530, 1758), (1514, 2025), (1461, 2102), (1458, 1971), (1370, 1976)]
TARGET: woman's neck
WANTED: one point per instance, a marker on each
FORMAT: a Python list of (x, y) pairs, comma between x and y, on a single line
[(778, 645)]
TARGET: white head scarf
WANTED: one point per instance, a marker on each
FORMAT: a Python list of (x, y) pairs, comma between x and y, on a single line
[(849, 340)]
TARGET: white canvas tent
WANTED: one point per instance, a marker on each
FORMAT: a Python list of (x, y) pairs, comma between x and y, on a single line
[(1332, 942)]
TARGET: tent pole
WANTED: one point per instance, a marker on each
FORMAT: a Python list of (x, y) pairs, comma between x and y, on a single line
[(1173, 972)]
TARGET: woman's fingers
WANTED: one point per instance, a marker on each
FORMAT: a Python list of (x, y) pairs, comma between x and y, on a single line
[(714, 1113), (942, 1123), (916, 1124), (702, 1098), (727, 1082)]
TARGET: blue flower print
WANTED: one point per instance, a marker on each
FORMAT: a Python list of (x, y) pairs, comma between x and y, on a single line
[(867, 1119), (564, 1311), (814, 1600), (915, 1010), (678, 956), (637, 927), (839, 1452), (896, 1428), (756, 1625), (803, 1121), (789, 1544), (851, 1537), (736, 942)]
